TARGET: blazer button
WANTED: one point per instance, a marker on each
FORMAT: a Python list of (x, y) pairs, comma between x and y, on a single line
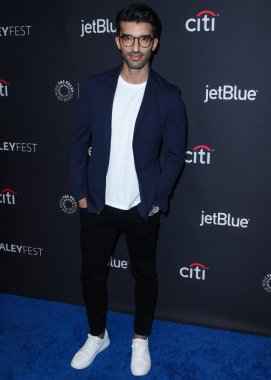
[(103, 177)]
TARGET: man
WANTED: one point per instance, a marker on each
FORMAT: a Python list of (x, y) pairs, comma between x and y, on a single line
[(125, 115)]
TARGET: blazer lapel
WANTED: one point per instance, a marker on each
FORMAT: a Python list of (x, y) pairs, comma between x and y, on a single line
[(146, 102), (108, 105)]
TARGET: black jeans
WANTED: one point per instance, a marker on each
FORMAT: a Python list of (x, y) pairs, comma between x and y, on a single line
[(99, 234)]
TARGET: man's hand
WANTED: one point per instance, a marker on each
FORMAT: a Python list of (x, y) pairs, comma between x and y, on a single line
[(82, 203), (155, 209)]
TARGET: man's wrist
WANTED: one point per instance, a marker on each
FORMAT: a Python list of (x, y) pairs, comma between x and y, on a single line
[(82, 203), (155, 209)]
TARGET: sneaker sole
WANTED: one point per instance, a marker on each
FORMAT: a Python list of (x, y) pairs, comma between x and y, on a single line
[(135, 373), (100, 350)]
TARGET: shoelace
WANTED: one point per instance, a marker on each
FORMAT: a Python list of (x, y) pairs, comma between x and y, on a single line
[(92, 341), (138, 345)]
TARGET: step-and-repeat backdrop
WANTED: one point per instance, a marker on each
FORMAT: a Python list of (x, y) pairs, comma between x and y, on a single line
[(214, 256)]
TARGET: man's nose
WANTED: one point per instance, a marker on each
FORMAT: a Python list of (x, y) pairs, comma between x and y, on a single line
[(136, 44)]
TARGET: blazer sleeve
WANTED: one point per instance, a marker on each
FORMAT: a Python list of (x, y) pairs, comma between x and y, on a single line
[(174, 145), (81, 137)]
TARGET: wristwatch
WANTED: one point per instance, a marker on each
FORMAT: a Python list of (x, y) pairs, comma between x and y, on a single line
[(155, 209)]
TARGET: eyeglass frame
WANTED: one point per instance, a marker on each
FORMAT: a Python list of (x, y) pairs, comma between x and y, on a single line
[(138, 39)]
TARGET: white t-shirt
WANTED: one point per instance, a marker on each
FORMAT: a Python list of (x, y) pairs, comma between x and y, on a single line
[(122, 190)]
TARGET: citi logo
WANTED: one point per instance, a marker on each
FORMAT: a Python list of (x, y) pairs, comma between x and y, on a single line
[(7, 196), (205, 21), (223, 219), (228, 92), (194, 271), (4, 87), (99, 26), (200, 154)]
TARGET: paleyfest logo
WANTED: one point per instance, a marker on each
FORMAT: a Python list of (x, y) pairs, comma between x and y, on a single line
[(7, 196), (4, 87), (68, 204), (26, 147), (200, 154), (21, 249), (204, 22), (15, 31), (266, 283), (195, 271), (64, 91)]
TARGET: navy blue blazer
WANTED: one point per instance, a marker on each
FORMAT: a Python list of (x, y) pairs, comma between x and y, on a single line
[(161, 120)]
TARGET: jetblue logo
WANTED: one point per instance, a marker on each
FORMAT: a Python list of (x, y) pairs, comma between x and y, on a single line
[(223, 219), (228, 92), (98, 26), (117, 263)]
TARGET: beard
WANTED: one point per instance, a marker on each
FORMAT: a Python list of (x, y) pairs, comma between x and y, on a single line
[(136, 64)]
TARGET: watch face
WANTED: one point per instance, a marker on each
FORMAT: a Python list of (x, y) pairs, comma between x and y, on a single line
[(155, 209)]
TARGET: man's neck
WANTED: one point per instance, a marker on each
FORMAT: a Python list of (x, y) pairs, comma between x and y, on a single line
[(134, 76)]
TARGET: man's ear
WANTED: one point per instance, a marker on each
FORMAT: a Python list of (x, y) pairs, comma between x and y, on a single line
[(117, 40), (155, 43)]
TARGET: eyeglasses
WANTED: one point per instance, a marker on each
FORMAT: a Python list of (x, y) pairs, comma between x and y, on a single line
[(144, 41)]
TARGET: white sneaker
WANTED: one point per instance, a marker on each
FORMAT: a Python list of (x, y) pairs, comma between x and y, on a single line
[(141, 360), (85, 356)]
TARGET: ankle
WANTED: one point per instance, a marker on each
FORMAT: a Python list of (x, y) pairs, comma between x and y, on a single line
[(137, 336)]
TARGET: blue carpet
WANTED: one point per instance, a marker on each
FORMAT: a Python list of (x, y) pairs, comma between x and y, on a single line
[(39, 338)]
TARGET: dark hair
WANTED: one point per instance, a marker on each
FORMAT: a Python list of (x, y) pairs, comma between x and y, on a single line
[(139, 13)]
